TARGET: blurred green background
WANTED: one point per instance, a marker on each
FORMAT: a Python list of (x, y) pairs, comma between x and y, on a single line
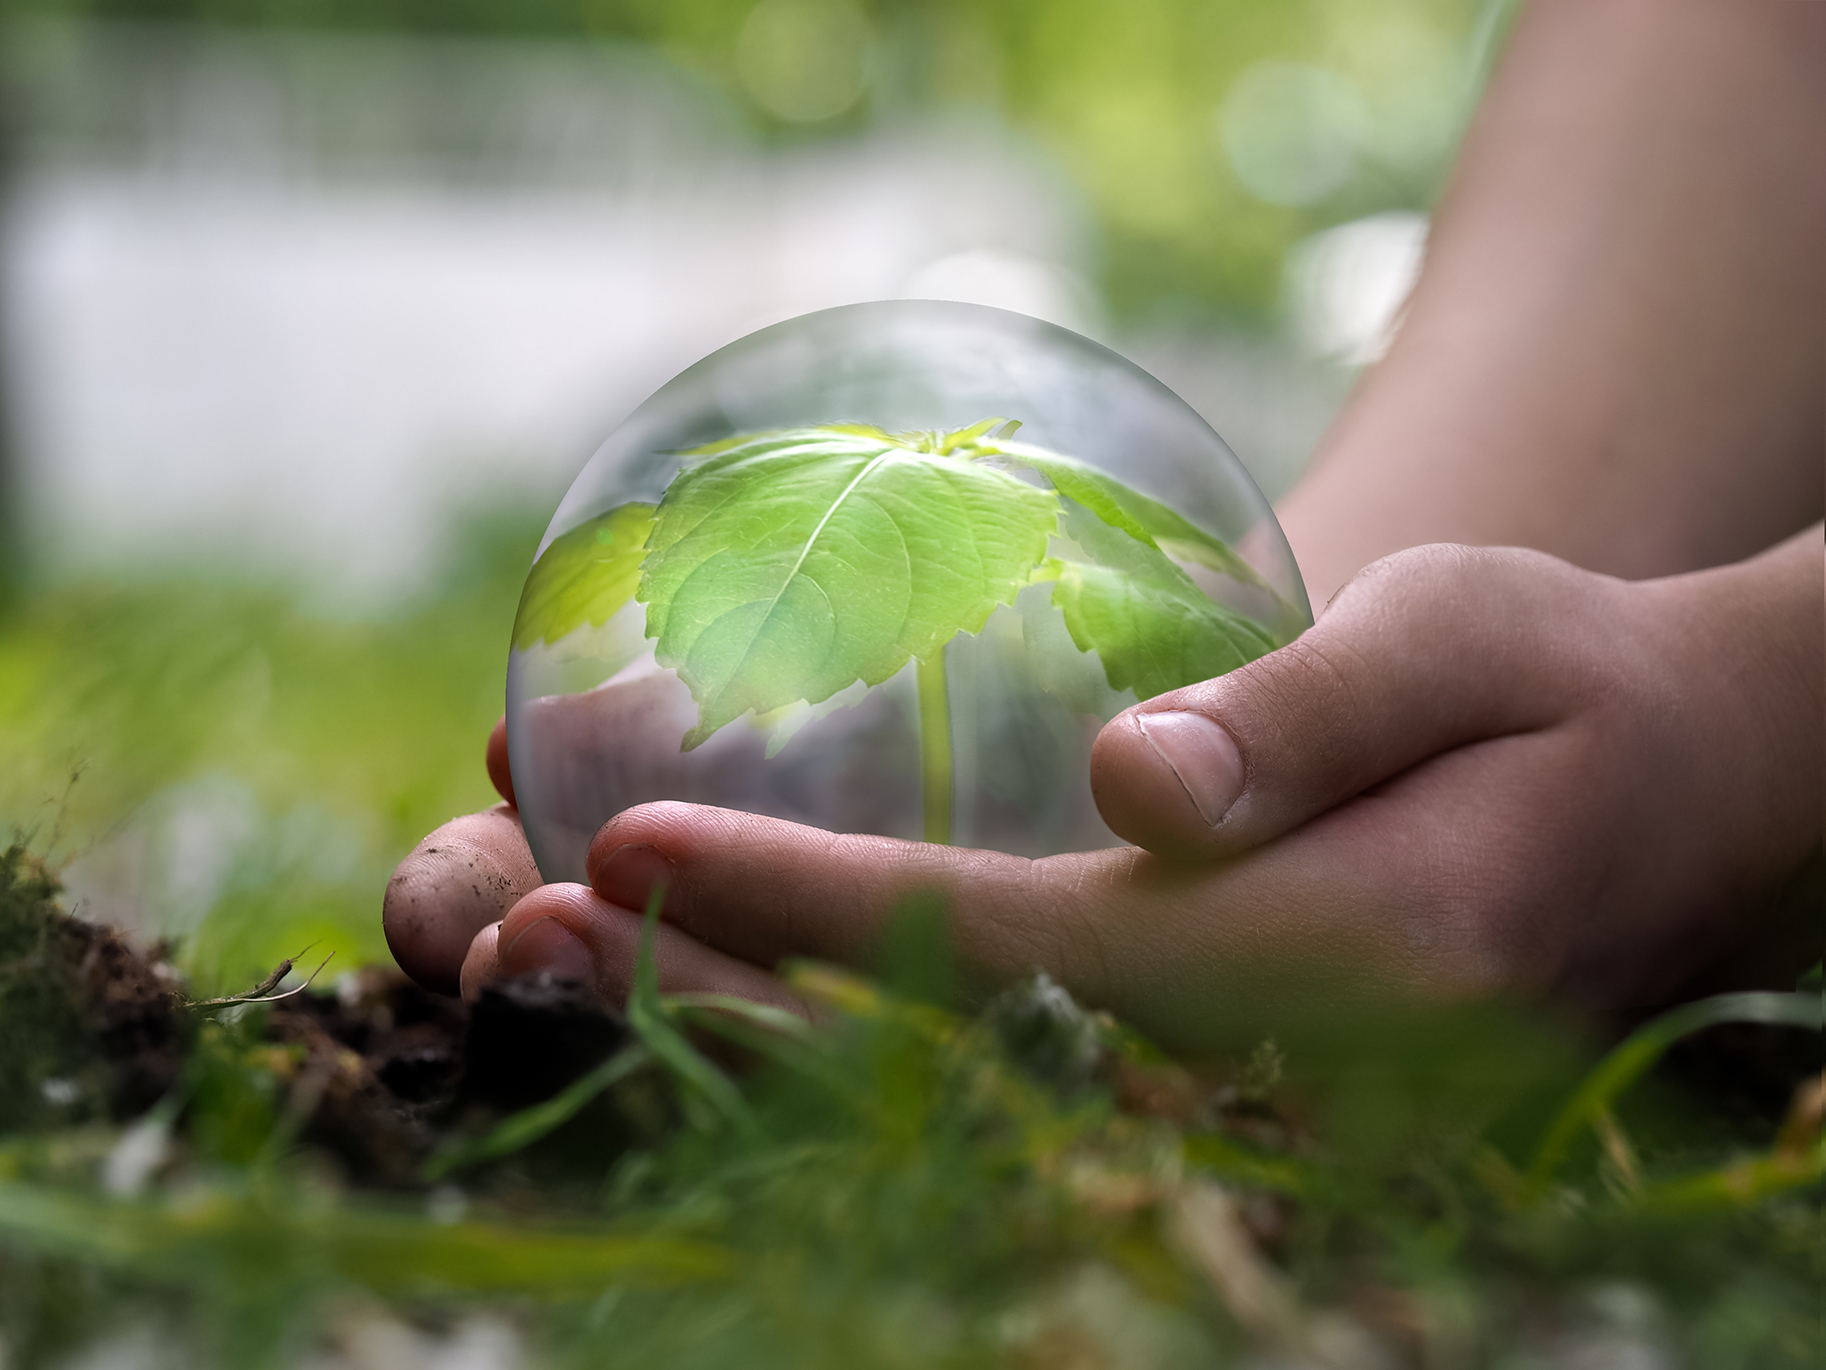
[(313, 307)]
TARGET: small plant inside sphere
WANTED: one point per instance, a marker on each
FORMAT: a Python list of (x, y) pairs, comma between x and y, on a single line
[(906, 630)]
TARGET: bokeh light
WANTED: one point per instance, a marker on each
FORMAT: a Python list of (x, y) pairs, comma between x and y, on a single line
[(804, 60)]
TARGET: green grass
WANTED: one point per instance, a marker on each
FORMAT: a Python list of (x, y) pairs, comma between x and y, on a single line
[(244, 772), (911, 1187)]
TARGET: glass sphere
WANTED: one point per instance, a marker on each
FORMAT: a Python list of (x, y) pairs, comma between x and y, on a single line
[(810, 578)]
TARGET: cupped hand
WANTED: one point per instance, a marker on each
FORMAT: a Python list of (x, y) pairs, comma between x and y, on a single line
[(1482, 771)]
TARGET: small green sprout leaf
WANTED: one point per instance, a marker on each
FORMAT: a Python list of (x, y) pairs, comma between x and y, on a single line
[(584, 576), (1152, 627), (789, 566)]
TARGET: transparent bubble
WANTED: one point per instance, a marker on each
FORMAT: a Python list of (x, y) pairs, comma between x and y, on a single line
[(914, 624)]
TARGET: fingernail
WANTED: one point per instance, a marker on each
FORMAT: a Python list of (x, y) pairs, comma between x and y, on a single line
[(547, 945), (627, 875), (1201, 754)]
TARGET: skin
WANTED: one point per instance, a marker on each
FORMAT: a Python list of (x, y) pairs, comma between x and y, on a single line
[(1560, 732), (1614, 352)]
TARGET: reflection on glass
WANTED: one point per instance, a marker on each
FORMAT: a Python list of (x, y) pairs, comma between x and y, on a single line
[(887, 569)]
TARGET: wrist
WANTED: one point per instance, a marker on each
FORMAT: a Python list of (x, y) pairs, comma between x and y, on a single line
[(1751, 638)]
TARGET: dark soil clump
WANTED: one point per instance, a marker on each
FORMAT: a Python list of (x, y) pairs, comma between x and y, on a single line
[(377, 1074), (92, 1027), (531, 1037), (381, 1062)]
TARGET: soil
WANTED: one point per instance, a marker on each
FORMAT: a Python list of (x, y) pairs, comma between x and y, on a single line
[(95, 1028), (394, 1069), (92, 1026)]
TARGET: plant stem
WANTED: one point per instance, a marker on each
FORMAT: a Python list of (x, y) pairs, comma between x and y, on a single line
[(935, 781)]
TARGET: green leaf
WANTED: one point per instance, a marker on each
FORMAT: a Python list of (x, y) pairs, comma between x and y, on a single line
[(1144, 519), (1153, 628), (584, 576), (789, 566)]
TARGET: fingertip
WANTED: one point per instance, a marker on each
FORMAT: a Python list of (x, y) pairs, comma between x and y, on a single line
[(645, 846), (548, 947), (465, 875), (572, 933), (668, 822), (627, 873), (576, 905), (479, 965), (556, 930), (495, 757), (1164, 779)]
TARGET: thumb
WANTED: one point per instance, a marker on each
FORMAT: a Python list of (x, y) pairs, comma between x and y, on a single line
[(1426, 650)]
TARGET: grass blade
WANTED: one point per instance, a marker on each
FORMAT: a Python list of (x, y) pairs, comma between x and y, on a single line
[(763, 1015), (238, 1243), (1748, 1181), (800, 1052), (1627, 1062), (651, 1020)]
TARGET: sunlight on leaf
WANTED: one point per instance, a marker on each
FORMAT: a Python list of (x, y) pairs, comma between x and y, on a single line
[(787, 567)]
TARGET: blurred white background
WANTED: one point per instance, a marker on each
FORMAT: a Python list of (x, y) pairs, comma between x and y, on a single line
[(297, 301)]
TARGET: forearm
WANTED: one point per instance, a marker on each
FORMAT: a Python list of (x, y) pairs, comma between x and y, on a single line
[(1614, 353)]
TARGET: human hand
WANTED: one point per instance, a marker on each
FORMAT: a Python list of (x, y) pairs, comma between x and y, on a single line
[(1480, 772), (589, 749)]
